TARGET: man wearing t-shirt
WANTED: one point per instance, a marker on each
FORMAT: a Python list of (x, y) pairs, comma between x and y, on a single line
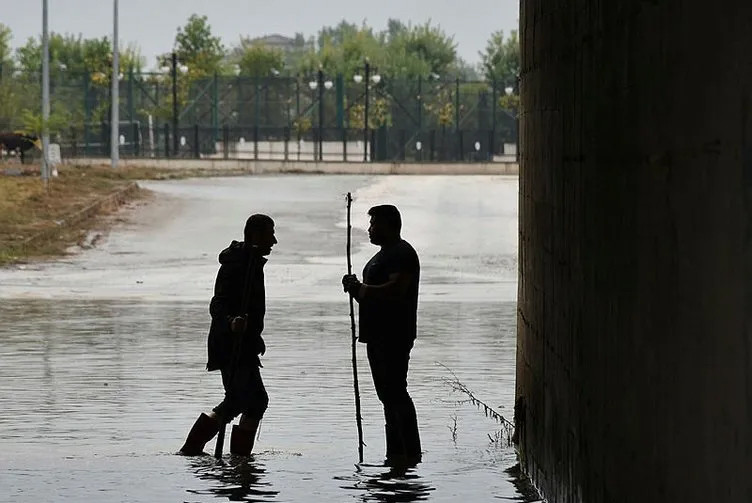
[(388, 304)]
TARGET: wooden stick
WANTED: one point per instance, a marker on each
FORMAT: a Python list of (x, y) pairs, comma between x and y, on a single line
[(220, 438), (358, 418)]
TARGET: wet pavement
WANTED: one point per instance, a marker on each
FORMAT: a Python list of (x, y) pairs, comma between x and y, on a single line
[(103, 352)]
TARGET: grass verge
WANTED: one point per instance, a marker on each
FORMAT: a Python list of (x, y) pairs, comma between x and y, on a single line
[(38, 222)]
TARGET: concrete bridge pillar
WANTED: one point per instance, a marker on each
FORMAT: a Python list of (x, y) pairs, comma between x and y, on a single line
[(634, 376)]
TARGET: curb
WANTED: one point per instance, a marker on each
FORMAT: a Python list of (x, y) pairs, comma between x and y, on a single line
[(117, 198)]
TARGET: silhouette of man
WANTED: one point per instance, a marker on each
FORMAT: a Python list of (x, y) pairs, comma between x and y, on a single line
[(235, 343), (388, 304)]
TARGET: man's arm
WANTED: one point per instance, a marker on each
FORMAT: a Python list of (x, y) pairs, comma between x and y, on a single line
[(219, 307), (396, 286)]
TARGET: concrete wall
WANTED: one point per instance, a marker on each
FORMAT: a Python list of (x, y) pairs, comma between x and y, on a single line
[(333, 151), (635, 296), (347, 168), (292, 150)]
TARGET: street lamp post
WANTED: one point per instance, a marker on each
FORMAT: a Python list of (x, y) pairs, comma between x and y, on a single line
[(320, 84), (174, 75), (173, 69), (376, 78), (366, 138), (509, 90), (45, 93), (115, 113), (492, 139), (320, 81)]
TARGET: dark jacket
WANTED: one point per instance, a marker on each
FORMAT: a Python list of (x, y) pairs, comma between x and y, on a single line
[(237, 265)]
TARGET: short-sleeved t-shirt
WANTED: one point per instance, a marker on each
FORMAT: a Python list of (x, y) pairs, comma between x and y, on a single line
[(390, 319)]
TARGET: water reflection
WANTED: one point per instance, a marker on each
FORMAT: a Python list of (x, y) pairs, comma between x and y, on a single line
[(388, 484), (234, 478), (525, 488)]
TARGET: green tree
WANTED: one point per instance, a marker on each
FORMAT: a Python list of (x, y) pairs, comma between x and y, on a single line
[(418, 50), (463, 70), (75, 56), (260, 61), (510, 102), (6, 54), (59, 121), (501, 59), (399, 51), (29, 56), (73, 60), (337, 35), (343, 49), (395, 27), (196, 47), (10, 91)]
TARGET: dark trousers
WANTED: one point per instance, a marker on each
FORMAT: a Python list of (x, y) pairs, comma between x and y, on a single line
[(389, 363), (244, 393)]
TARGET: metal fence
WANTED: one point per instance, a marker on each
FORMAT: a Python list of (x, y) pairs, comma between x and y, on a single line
[(291, 118)]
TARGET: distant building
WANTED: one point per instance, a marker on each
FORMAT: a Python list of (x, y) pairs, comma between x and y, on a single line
[(281, 42)]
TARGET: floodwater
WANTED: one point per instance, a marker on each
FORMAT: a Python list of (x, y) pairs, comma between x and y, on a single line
[(102, 353)]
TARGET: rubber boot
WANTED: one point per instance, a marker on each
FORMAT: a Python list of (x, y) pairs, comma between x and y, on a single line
[(411, 441), (410, 435), (403, 438), (203, 430), (242, 439), (394, 449)]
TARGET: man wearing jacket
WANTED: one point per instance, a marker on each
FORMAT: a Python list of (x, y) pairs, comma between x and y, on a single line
[(235, 343)]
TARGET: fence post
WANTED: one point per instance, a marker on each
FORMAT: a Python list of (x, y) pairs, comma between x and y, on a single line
[(87, 115), (344, 145), (105, 134), (74, 144), (287, 143), (494, 105), (420, 103), (340, 101), (167, 140), (226, 141), (136, 140), (256, 113), (215, 108), (131, 105), (457, 104), (196, 149), (316, 133), (372, 146)]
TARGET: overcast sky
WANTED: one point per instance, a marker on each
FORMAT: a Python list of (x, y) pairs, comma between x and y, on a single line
[(152, 23)]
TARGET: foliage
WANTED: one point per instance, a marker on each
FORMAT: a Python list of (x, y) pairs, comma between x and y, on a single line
[(510, 102), (33, 123), (197, 48), (261, 61), (441, 107), (5, 50), (501, 59), (73, 56)]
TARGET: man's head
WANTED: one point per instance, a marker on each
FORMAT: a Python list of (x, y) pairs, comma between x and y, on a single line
[(386, 224), (259, 233)]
